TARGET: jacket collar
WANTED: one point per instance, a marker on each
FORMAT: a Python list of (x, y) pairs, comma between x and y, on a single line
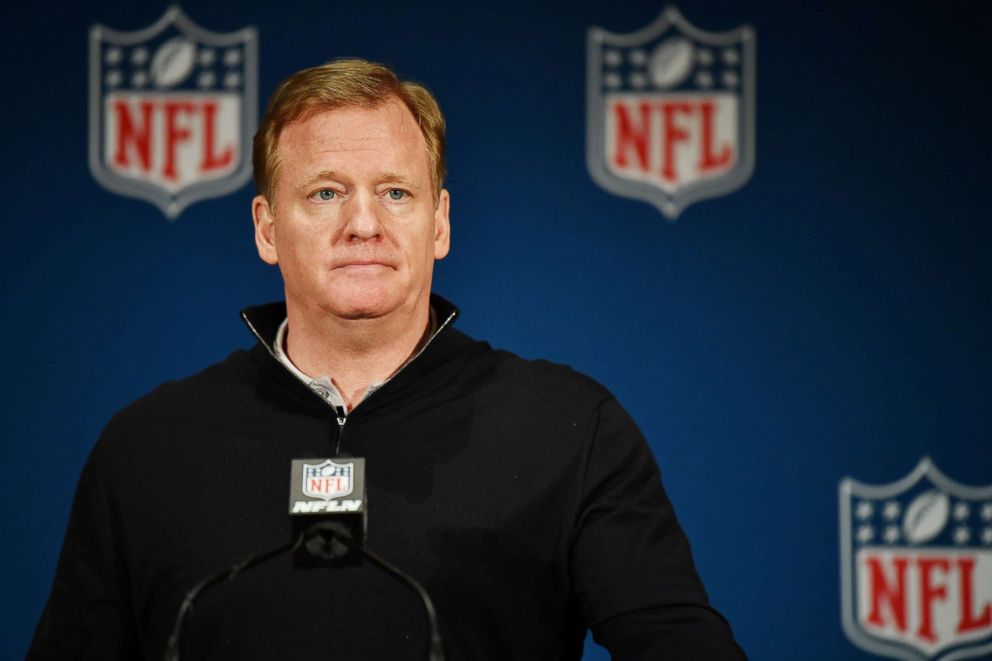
[(263, 321)]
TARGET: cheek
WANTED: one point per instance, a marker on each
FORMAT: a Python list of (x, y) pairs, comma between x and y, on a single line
[(422, 251), (299, 251), (298, 234)]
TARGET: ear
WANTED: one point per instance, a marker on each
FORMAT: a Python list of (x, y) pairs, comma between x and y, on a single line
[(265, 230), (442, 225)]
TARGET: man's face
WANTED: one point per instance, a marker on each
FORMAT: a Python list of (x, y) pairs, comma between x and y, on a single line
[(353, 225)]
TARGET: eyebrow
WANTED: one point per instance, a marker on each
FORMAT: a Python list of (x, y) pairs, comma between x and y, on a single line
[(323, 175), (394, 178)]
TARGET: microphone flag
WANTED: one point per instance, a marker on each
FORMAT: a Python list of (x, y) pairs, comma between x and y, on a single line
[(329, 493)]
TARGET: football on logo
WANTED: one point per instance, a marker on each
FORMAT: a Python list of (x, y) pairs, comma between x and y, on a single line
[(172, 111), (671, 112), (916, 566)]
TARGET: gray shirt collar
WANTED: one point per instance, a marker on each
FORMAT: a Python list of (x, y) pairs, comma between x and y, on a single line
[(323, 385)]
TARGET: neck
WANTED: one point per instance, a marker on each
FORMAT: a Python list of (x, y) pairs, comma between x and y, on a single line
[(355, 353)]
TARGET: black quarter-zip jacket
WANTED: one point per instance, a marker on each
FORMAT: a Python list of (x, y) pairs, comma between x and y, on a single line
[(519, 493)]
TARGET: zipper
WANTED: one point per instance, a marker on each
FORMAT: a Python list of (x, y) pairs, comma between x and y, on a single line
[(339, 413), (342, 418)]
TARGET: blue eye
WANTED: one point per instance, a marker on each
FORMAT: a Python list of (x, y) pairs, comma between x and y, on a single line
[(397, 194), (325, 194)]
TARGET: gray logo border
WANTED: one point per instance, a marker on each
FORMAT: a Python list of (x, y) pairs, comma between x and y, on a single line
[(849, 488), (671, 206), (173, 204), (326, 462)]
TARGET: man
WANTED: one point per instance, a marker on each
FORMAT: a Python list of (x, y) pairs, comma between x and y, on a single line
[(519, 493)]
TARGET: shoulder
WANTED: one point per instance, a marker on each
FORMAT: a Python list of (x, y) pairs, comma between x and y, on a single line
[(539, 381), (546, 379), (542, 373), (178, 403), (549, 396), (227, 377)]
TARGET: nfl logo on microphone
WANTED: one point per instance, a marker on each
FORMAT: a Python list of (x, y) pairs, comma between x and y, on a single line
[(327, 480), (670, 112), (172, 110), (916, 566)]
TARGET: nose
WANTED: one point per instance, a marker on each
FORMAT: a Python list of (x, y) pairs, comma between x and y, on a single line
[(361, 216)]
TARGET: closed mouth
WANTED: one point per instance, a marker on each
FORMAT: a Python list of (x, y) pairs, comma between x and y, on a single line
[(363, 264)]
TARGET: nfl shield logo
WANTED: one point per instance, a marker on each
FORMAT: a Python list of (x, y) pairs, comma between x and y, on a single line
[(916, 566), (670, 112), (328, 480), (172, 110)]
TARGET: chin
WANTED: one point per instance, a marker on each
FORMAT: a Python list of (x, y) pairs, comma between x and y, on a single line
[(366, 303), (354, 314)]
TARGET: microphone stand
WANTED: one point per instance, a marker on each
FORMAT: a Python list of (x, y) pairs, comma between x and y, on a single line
[(175, 639), (324, 540), (331, 531)]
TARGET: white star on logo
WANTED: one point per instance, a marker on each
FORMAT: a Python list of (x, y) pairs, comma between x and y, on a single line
[(961, 535), (961, 511)]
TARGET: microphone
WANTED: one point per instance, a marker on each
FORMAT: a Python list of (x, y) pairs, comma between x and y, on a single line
[(328, 508), (327, 504), (328, 511)]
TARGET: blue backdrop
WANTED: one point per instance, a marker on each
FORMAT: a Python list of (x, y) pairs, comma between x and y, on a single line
[(831, 318)]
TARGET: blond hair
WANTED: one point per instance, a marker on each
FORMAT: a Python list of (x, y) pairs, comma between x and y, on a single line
[(343, 83)]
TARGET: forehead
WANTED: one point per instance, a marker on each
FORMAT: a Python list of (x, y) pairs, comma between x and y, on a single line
[(386, 136)]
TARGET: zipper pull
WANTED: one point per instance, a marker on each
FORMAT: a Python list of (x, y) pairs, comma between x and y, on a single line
[(342, 418)]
